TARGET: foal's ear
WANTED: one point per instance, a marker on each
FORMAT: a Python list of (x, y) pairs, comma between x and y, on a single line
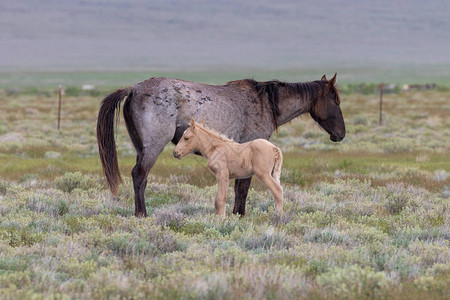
[(192, 123), (332, 81), (323, 77)]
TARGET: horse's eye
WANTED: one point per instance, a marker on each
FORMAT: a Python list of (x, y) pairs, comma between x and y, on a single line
[(186, 138)]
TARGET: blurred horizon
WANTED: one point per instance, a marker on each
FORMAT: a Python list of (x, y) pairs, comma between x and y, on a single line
[(358, 39)]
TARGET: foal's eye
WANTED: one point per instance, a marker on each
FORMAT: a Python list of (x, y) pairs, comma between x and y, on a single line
[(186, 138)]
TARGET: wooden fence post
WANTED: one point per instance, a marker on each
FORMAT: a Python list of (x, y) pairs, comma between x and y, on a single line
[(59, 107), (380, 119)]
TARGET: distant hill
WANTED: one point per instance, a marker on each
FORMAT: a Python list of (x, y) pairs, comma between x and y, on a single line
[(210, 35)]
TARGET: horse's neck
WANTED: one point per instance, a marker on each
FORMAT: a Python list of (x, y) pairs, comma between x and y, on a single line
[(206, 143), (292, 104)]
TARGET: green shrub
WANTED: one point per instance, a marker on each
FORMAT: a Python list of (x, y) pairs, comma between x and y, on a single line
[(227, 226), (169, 217), (316, 267), (399, 145), (264, 205), (74, 224), (155, 243), (158, 199), (328, 235), (72, 91), (164, 242), (286, 257), (28, 177), (76, 180), (118, 243), (15, 279), (432, 284), (13, 264), (62, 207), (395, 203), (78, 269), (16, 237), (3, 186), (404, 236), (3, 129), (267, 240), (360, 120), (192, 228), (123, 211), (293, 177), (52, 155), (282, 133), (354, 282), (312, 134), (191, 209), (404, 267)]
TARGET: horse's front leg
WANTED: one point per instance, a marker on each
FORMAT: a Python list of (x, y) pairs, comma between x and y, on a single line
[(221, 196)]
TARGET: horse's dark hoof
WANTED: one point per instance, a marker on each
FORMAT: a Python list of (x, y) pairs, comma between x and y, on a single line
[(140, 214)]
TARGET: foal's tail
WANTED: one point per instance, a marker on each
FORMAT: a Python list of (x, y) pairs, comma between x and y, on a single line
[(109, 109), (276, 172)]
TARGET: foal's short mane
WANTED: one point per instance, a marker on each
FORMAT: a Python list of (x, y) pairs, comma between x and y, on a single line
[(310, 90), (213, 133)]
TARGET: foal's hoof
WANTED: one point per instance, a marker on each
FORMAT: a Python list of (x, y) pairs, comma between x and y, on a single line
[(222, 217), (278, 210)]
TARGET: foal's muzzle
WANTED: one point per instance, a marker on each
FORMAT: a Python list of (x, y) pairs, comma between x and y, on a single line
[(176, 155)]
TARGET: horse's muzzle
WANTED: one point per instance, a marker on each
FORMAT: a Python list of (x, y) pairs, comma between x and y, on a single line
[(337, 137), (176, 155)]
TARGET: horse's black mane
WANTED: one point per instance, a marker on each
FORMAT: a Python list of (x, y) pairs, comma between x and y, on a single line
[(271, 88)]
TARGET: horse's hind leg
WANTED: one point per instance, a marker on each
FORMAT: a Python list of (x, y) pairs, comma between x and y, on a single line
[(150, 130), (144, 162), (139, 184), (275, 188)]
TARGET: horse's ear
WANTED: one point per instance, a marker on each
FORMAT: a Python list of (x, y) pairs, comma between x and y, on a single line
[(323, 77), (203, 123), (192, 123), (332, 81)]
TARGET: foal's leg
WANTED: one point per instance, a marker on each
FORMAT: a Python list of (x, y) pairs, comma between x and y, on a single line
[(241, 187), (275, 188), (221, 196)]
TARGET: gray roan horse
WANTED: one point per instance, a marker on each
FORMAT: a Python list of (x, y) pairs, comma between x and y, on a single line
[(159, 110)]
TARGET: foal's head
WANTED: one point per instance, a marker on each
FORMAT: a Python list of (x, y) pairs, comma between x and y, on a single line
[(326, 111), (188, 141)]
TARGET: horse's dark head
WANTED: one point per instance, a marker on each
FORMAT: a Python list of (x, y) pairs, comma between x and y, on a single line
[(326, 111)]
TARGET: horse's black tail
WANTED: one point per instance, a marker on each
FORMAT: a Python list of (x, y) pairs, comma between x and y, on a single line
[(109, 108)]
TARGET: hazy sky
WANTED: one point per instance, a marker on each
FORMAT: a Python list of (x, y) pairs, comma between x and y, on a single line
[(211, 34)]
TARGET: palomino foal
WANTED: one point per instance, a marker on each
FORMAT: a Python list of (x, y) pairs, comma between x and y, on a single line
[(230, 160)]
